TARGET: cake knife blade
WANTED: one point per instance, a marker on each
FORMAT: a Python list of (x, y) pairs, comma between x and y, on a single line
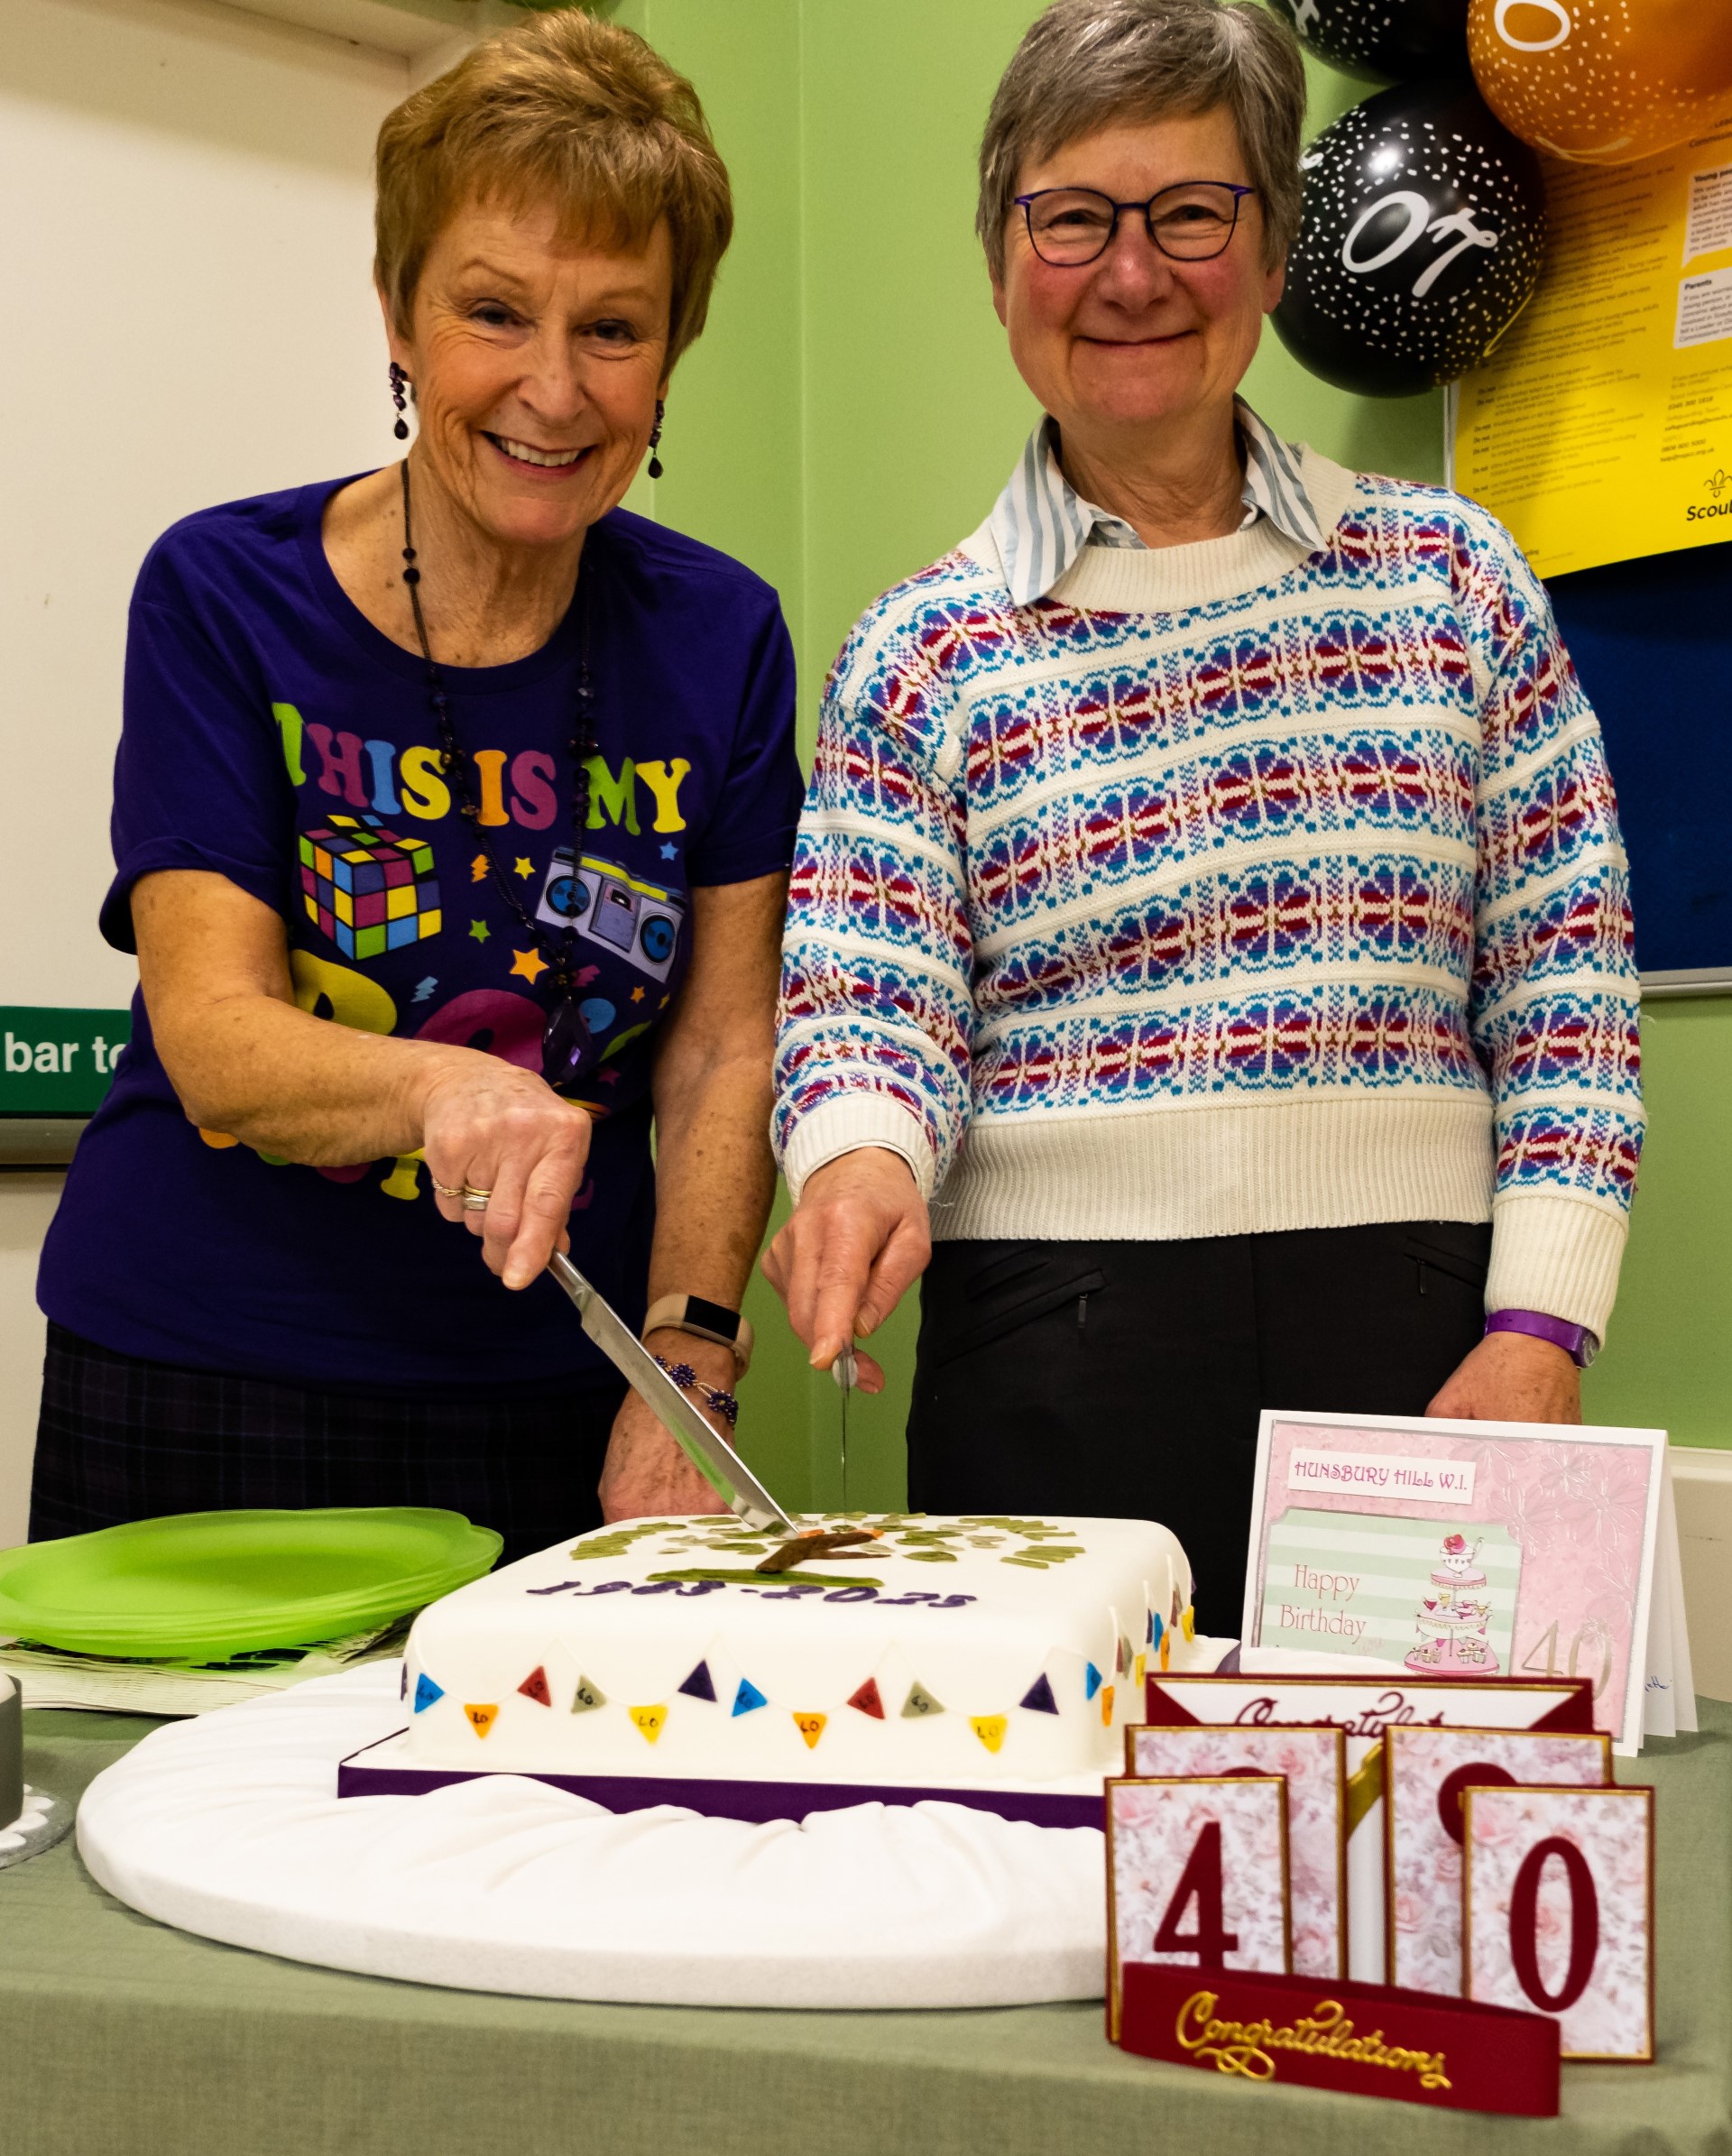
[(704, 1445)]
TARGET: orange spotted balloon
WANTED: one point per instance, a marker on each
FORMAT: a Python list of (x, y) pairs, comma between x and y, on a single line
[(1603, 81)]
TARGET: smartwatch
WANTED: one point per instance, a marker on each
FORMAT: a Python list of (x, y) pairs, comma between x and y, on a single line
[(704, 1321)]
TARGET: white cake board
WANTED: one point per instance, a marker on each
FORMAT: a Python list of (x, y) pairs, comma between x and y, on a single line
[(229, 1825)]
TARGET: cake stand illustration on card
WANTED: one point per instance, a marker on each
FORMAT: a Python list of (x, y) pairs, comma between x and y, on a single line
[(1455, 1616)]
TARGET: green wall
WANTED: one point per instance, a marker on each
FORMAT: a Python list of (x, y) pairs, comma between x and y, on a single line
[(851, 412)]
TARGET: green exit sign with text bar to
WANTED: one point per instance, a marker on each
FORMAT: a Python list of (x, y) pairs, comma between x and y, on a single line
[(57, 1061)]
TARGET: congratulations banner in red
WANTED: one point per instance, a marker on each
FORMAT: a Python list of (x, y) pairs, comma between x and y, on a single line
[(1362, 2038)]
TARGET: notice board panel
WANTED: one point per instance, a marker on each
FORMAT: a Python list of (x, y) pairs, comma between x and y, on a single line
[(1651, 641)]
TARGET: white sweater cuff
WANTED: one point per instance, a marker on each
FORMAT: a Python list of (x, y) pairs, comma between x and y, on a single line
[(1556, 1255), (847, 1122)]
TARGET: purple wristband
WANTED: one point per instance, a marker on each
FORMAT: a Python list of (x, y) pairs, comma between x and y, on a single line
[(1577, 1343)]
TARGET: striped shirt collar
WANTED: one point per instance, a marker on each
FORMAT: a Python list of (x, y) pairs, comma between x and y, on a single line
[(1041, 523)]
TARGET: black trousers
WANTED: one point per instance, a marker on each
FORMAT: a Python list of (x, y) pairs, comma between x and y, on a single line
[(123, 1439), (1122, 1379)]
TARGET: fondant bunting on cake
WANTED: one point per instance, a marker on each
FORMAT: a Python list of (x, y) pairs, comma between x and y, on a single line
[(1106, 1706), (920, 1701), (481, 1718), (865, 1697), (402, 1685), (1038, 1698), (698, 1685), (748, 1696), (647, 1721), (989, 1728), (586, 1697), (535, 1687), (1091, 1682), (811, 1727), (425, 1692), (1142, 1665)]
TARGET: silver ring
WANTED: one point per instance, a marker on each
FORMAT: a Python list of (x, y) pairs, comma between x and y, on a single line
[(475, 1200)]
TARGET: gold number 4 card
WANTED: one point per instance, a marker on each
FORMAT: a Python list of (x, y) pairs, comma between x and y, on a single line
[(1196, 1875), (1425, 1773), (1558, 1913), (1314, 1764)]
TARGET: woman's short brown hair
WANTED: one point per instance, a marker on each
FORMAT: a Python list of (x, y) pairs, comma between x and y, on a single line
[(1089, 64), (564, 107)]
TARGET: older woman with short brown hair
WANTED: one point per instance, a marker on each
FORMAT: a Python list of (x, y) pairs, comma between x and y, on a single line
[(1208, 900), (452, 816)]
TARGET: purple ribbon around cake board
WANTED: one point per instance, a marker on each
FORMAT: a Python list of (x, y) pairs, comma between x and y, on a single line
[(756, 1802)]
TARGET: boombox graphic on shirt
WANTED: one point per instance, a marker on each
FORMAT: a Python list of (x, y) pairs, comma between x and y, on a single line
[(606, 905)]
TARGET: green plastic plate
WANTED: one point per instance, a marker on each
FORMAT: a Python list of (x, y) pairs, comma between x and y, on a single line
[(211, 1584)]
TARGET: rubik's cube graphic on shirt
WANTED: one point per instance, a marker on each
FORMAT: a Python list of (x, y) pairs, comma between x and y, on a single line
[(366, 889)]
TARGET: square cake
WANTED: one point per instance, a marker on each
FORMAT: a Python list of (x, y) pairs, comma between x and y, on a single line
[(944, 1649)]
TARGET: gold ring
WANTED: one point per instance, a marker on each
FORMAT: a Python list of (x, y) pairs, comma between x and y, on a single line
[(447, 1190)]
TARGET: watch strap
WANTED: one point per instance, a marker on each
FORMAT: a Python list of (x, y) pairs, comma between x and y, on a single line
[(1577, 1343), (703, 1320)]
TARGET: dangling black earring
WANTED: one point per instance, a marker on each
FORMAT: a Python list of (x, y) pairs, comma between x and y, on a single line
[(398, 383), (655, 440)]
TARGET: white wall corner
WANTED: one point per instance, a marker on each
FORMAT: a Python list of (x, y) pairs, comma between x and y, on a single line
[(1702, 1483)]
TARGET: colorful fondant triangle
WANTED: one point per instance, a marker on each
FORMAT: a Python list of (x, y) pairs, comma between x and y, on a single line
[(989, 1728), (748, 1696), (811, 1727), (1038, 1698), (920, 1701), (425, 1692), (481, 1718), (535, 1687), (698, 1685), (1091, 1682), (588, 1696), (867, 1700), (1106, 1706), (647, 1721)]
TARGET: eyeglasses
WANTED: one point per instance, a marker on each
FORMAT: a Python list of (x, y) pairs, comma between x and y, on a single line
[(1191, 221)]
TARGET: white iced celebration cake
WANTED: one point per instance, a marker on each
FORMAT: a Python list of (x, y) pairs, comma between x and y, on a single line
[(944, 1649)]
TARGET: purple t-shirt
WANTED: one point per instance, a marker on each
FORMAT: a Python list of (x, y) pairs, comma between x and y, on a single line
[(274, 734)]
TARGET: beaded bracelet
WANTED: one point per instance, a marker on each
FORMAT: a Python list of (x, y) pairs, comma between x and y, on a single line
[(687, 1379)]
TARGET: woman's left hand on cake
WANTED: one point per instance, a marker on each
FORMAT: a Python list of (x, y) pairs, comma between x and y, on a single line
[(647, 1474)]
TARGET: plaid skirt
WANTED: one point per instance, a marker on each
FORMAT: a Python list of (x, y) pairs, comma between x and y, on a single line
[(122, 1439)]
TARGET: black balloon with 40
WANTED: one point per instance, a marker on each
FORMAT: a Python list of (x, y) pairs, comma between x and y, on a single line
[(1422, 230), (1388, 41)]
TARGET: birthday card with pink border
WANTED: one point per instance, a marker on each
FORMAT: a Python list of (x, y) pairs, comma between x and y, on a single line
[(1470, 1549)]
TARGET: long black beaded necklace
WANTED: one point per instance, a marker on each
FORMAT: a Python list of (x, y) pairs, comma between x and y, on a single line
[(565, 1037)]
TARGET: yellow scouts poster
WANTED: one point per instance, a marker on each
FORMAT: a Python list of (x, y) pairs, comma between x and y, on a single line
[(1600, 429)]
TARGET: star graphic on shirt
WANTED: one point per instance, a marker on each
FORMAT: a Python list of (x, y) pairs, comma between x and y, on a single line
[(670, 852), (529, 964), (478, 868), (525, 866), (637, 995), (478, 929)]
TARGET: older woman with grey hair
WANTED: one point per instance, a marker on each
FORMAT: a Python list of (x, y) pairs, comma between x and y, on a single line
[(1209, 898)]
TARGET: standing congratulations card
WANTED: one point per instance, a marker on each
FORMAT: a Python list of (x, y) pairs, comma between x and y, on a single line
[(1471, 1550)]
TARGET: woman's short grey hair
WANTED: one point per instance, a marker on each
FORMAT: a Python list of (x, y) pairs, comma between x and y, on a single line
[(1089, 64)]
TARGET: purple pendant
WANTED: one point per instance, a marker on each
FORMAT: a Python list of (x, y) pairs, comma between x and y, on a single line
[(564, 1043)]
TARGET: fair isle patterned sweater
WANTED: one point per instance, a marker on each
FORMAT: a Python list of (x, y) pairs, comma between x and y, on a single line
[(1227, 888)]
